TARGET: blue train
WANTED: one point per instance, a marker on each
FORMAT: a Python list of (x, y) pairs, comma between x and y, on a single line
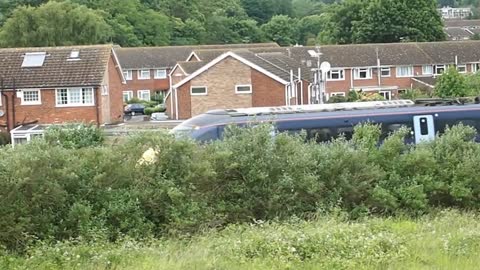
[(324, 122)]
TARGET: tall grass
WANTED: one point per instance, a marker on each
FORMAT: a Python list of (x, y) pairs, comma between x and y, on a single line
[(445, 240)]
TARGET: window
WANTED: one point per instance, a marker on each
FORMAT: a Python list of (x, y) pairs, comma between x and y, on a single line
[(387, 95), (35, 59), (127, 74), (475, 67), (427, 70), (439, 69), (143, 95), (423, 126), (385, 72), (404, 71), (74, 54), (336, 75), (243, 89), (198, 90), (144, 74), (160, 74), (362, 73), (30, 97), (342, 94), (104, 90), (127, 95), (74, 97), (462, 68)]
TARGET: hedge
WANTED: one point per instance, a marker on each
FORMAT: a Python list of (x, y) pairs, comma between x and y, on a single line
[(52, 192)]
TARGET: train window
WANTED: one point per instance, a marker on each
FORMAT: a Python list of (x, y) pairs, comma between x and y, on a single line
[(346, 131), (320, 134), (423, 126)]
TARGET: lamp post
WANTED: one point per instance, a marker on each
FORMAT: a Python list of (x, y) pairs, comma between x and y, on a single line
[(320, 75)]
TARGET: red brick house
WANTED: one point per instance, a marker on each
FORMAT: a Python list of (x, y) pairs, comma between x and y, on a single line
[(146, 69), (236, 78), (60, 84)]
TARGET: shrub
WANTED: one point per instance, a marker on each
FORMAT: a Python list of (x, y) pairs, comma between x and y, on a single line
[(150, 110), (75, 135), (451, 84), (4, 138), (337, 99)]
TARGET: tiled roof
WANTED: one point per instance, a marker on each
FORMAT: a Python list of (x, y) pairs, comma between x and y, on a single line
[(190, 67), (56, 71), (462, 23), (361, 55), (457, 33), (167, 57), (427, 81)]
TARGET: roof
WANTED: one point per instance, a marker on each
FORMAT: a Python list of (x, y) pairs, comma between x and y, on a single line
[(427, 81), (192, 66), (457, 32), (462, 23), (56, 70), (168, 56), (408, 53)]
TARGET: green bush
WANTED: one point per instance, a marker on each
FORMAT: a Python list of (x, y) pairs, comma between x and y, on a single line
[(150, 110), (4, 138), (62, 188), (75, 135)]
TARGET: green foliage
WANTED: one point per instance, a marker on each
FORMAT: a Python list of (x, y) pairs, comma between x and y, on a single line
[(472, 82), (281, 29), (70, 191), (356, 21), (4, 138), (451, 84), (337, 99), (150, 110), (29, 26), (413, 94), (74, 136)]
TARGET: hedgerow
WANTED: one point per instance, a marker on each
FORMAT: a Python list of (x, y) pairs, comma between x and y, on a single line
[(51, 191)]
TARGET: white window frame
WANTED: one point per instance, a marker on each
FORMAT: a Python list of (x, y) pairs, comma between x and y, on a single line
[(198, 94), (356, 73), (139, 94), (439, 66), (425, 71), (243, 92), (333, 94), (475, 67), (341, 74), (382, 69), (141, 77), (404, 76), (382, 92), (129, 93), (22, 97), (128, 74), (70, 104), (156, 76), (464, 68)]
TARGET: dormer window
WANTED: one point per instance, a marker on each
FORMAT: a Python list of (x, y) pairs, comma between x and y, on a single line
[(34, 59)]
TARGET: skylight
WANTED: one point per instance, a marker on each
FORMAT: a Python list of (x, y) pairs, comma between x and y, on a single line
[(34, 59), (74, 54)]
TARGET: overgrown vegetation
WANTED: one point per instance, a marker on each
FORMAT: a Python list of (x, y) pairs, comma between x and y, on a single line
[(444, 240), (61, 191)]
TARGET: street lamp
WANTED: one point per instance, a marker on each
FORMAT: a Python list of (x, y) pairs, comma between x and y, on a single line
[(321, 72)]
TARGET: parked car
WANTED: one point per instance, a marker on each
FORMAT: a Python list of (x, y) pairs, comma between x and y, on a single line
[(133, 109)]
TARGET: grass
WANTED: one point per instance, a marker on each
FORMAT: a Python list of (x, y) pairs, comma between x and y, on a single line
[(447, 240)]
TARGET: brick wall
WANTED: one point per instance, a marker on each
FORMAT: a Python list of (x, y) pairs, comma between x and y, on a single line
[(115, 94), (47, 112), (151, 84), (220, 81), (266, 91)]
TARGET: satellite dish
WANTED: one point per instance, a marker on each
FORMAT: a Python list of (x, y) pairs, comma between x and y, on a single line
[(325, 67), (2, 113)]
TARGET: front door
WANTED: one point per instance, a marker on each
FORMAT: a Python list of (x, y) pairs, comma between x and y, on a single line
[(424, 128)]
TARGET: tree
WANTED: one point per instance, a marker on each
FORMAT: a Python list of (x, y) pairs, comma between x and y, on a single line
[(340, 19), (394, 20), (451, 84), (308, 29), (54, 24), (281, 29), (263, 10), (302, 8)]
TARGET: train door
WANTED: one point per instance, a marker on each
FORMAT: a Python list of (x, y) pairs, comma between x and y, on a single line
[(424, 128)]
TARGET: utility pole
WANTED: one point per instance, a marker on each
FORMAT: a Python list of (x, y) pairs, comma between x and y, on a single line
[(320, 75)]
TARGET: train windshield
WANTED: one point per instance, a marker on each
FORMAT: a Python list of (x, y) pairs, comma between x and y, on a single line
[(189, 126)]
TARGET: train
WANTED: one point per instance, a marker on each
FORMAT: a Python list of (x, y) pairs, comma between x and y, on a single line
[(324, 122)]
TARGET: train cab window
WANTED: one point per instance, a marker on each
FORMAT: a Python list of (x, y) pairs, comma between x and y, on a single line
[(320, 134), (346, 131), (423, 126)]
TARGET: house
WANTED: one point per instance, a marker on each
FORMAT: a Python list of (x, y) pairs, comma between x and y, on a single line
[(60, 84), (455, 13), (216, 79), (146, 69), (461, 29), (210, 79)]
